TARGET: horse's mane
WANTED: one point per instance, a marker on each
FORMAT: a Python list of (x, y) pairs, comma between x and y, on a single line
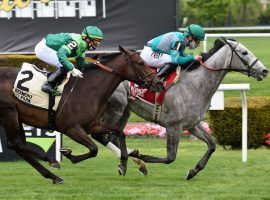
[(104, 58), (194, 65)]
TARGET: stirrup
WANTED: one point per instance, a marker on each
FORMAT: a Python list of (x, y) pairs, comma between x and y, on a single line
[(56, 93), (47, 88)]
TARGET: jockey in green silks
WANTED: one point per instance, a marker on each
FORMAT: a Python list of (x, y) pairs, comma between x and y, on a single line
[(55, 49), (167, 50)]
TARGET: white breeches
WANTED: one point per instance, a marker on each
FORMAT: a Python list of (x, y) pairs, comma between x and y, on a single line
[(47, 54), (153, 59)]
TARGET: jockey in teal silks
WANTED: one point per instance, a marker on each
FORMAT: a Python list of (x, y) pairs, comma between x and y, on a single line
[(167, 51), (55, 49)]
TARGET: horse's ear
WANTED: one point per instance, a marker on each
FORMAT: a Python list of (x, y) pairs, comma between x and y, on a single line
[(122, 50)]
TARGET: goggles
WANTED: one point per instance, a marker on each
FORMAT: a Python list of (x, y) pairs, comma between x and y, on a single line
[(197, 41)]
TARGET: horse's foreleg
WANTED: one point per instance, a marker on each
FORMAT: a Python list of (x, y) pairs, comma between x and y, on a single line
[(102, 128), (78, 134), (173, 137), (200, 133), (121, 113), (115, 149)]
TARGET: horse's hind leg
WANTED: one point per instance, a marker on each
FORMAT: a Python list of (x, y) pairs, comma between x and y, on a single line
[(200, 133), (42, 170), (16, 142), (52, 162), (78, 134)]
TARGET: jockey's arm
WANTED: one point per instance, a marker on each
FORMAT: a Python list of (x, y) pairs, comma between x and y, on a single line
[(81, 63), (179, 59), (63, 54)]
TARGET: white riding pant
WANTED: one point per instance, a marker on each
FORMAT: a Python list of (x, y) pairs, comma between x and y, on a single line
[(46, 54), (154, 59)]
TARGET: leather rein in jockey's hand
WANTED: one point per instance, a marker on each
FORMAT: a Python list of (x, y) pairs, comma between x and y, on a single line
[(206, 67), (96, 62)]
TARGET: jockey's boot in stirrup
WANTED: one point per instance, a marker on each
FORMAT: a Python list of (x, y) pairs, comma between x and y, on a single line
[(50, 86), (168, 68)]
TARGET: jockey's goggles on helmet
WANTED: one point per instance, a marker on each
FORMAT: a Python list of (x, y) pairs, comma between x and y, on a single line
[(96, 41), (93, 43), (197, 41)]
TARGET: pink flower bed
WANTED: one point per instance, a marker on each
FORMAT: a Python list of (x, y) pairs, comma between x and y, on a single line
[(146, 128), (143, 128), (267, 139)]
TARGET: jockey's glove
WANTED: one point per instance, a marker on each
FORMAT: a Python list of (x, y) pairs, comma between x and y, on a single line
[(77, 73)]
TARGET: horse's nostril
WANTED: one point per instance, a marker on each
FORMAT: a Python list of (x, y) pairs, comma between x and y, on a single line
[(265, 71)]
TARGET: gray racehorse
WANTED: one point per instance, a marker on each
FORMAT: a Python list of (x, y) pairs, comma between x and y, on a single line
[(188, 100)]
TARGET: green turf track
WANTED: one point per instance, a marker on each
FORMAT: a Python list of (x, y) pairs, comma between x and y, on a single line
[(225, 176)]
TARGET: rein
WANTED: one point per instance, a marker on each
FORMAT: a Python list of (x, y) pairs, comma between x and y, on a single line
[(96, 62), (141, 79)]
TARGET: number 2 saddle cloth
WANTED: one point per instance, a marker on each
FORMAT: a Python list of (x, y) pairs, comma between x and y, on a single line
[(27, 87)]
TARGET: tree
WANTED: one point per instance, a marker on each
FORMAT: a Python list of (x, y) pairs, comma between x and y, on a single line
[(220, 12)]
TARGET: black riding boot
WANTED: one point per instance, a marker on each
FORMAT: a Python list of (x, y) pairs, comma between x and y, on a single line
[(168, 68), (53, 81)]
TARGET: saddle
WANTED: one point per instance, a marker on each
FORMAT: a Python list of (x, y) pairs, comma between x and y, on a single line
[(27, 89), (154, 98)]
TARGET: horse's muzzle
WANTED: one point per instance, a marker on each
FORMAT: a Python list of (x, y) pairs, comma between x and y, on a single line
[(262, 75)]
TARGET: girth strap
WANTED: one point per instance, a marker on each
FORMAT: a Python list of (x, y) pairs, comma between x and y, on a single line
[(51, 113)]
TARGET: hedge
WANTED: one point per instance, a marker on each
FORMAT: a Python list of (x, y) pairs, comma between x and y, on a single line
[(9, 60), (226, 125)]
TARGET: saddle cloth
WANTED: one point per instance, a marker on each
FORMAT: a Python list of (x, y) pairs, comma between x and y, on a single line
[(27, 87), (144, 94)]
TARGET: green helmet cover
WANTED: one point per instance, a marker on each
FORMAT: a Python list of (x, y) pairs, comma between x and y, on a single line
[(195, 31), (92, 32)]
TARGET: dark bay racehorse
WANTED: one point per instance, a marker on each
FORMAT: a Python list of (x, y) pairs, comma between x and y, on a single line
[(81, 109), (188, 100)]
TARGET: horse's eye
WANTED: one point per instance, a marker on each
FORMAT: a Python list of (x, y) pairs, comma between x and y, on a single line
[(244, 53)]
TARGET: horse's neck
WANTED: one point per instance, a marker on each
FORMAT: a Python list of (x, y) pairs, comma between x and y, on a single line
[(212, 79), (204, 81), (102, 81)]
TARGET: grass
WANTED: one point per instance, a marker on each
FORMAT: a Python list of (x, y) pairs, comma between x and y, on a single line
[(225, 176)]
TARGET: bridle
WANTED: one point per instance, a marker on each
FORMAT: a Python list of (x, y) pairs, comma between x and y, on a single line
[(141, 80), (249, 69)]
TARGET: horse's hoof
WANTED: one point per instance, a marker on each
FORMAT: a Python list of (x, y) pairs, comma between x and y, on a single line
[(55, 165), (134, 153), (143, 170), (58, 180), (122, 169), (65, 152), (191, 174)]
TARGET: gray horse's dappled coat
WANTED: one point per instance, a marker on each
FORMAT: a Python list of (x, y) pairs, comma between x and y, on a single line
[(188, 100)]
